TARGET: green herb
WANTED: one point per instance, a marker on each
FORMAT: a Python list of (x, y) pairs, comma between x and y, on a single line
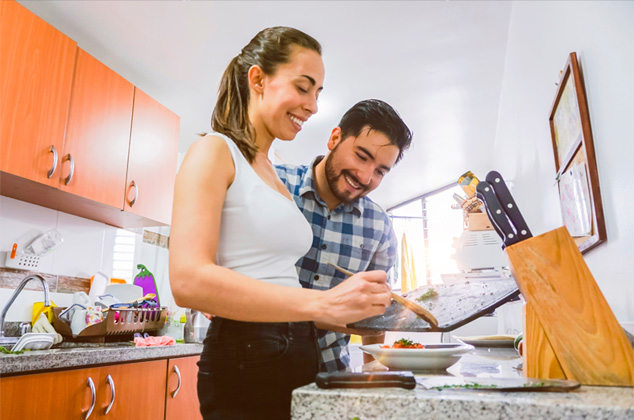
[(404, 342), (4, 350), (467, 386), (428, 294), (356, 418), (536, 384)]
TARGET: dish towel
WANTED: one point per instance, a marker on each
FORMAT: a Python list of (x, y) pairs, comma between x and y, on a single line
[(154, 341), (43, 326)]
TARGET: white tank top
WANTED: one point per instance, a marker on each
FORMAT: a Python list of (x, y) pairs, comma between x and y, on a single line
[(262, 233)]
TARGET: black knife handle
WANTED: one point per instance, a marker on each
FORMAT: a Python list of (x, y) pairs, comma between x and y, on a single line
[(508, 203), (496, 212)]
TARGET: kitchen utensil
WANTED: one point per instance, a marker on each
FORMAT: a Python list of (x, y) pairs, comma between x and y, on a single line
[(124, 292), (505, 198), (145, 279), (570, 328), (98, 285), (497, 215), (431, 357), (453, 305), (45, 243), (34, 341), (445, 383), (327, 380), (488, 340), (417, 309)]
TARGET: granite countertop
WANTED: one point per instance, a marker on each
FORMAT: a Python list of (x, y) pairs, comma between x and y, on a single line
[(311, 402), (70, 356)]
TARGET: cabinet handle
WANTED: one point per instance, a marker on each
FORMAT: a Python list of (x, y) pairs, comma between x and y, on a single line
[(72, 168), (178, 387), (51, 171), (94, 397), (111, 383), (136, 192)]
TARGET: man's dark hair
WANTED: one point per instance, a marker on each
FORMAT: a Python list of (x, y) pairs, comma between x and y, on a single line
[(379, 116)]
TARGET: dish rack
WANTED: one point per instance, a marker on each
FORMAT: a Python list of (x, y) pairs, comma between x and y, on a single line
[(117, 322)]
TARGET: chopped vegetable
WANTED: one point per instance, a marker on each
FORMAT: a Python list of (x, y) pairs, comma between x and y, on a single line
[(404, 343), (474, 386), (431, 292), (4, 350)]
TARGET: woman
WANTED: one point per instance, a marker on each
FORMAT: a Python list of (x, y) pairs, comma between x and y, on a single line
[(236, 235)]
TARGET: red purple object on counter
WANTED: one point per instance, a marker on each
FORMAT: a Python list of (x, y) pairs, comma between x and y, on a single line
[(146, 281)]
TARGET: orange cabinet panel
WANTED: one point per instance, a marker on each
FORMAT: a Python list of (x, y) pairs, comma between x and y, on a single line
[(182, 375), (98, 134), (139, 391), (153, 159), (59, 395), (36, 72)]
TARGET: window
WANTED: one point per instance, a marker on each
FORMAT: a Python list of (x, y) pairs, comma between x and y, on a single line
[(123, 257), (431, 225)]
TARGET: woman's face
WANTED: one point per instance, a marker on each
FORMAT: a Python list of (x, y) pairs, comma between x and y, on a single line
[(286, 99)]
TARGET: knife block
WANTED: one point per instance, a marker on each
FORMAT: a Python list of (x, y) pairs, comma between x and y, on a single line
[(570, 332)]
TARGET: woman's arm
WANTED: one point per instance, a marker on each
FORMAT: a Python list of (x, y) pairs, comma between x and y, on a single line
[(199, 283)]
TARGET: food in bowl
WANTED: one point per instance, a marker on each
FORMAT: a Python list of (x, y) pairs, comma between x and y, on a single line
[(432, 357), (404, 343)]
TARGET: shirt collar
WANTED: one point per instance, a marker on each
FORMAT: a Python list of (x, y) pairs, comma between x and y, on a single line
[(308, 185)]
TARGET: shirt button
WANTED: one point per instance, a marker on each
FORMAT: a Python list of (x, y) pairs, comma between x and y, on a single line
[(323, 246), (328, 217), (316, 277)]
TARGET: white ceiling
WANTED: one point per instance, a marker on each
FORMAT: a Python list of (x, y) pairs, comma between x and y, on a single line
[(438, 63)]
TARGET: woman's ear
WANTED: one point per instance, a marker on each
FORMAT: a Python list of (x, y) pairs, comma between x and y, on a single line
[(335, 138), (256, 79)]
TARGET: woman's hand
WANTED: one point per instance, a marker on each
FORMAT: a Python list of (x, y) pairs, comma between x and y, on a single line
[(361, 296)]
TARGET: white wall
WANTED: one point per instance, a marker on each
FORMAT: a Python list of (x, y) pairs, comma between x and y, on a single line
[(541, 36)]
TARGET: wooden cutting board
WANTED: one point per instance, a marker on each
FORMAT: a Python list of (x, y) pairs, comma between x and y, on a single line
[(453, 305)]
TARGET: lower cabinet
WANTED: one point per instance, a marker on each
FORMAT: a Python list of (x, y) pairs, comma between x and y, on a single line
[(181, 398), (116, 392)]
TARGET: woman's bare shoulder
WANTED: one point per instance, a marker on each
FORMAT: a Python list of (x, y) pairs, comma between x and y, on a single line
[(209, 155)]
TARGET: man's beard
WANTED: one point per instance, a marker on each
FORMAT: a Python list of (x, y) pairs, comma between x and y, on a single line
[(332, 177)]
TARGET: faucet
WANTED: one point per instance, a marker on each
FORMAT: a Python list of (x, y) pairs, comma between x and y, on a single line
[(17, 291)]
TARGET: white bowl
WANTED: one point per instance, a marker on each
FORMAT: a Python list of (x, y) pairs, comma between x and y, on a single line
[(432, 357)]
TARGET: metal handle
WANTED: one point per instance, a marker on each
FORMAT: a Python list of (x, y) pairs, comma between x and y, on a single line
[(111, 383), (136, 192), (94, 398), (72, 168), (178, 387), (51, 171)]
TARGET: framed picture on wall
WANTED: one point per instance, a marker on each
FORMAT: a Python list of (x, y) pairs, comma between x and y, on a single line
[(575, 161)]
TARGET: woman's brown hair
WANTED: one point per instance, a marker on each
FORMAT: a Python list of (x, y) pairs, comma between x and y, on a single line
[(268, 49)]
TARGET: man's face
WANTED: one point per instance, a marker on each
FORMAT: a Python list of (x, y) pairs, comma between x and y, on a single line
[(356, 166)]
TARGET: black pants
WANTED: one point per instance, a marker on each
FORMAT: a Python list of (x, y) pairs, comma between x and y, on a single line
[(247, 370)]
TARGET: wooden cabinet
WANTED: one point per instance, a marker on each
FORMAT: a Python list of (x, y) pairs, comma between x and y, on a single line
[(152, 161), (129, 391), (79, 153), (36, 73), (181, 397), (98, 135)]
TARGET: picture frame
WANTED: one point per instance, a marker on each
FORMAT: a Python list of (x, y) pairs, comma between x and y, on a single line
[(575, 161)]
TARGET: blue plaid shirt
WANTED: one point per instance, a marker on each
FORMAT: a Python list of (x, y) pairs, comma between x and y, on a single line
[(357, 236)]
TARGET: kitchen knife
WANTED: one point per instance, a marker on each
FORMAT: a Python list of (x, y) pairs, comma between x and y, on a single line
[(496, 213), (508, 204)]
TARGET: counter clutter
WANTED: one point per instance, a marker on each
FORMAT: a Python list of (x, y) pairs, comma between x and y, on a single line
[(311, 402)]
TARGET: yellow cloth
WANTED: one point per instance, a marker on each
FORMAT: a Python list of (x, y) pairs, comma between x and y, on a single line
[(408, 271)]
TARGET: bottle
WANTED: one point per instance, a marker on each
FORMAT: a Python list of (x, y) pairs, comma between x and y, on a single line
[(190, 314), (201, 324)]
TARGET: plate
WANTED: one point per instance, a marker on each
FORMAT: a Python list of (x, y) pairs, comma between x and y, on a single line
[(432, 357), (488, 340)]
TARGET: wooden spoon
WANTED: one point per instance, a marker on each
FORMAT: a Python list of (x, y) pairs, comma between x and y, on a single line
[(412, 306)]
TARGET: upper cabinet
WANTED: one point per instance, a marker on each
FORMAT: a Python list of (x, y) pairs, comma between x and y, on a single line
[(95, 154), (151, 163), (36, 73), (76, 136)]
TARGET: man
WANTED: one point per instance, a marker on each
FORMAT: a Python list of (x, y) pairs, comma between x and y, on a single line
[(349, 229)]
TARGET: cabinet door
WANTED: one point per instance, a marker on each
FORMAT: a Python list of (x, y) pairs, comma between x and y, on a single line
[(56, 395), (36, 73), (182, 375), (153, 159), (98, 133), (139, 391)]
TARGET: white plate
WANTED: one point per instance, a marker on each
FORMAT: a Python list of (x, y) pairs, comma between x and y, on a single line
[(432, 357), (488, 341)]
